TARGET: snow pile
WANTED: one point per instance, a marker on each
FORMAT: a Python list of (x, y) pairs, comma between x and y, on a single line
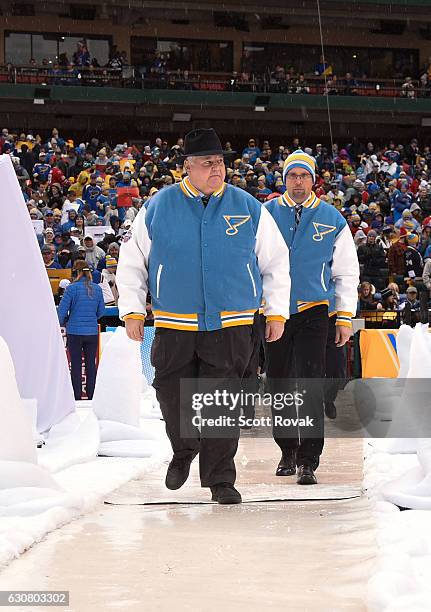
[(33, 502), (402, 574), (118, 398), (25, 487), (397, 474)]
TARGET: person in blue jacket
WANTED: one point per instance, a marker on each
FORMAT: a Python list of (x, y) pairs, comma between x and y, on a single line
[(209, 254), (80, 307)]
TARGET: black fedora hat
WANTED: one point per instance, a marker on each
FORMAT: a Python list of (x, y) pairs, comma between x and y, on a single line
[(202, 141)]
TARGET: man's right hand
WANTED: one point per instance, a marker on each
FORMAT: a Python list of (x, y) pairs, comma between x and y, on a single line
[(135, 329)]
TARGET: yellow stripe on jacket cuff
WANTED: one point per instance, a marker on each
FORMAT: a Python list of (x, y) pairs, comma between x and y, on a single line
[(276, 318), (344, 318), (134, 315)]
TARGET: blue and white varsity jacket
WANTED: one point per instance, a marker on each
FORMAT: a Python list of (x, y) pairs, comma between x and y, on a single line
[(323, 260), (206, 268)]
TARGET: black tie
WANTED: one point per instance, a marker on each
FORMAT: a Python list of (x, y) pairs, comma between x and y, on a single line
[(205, 200), (298, 211)]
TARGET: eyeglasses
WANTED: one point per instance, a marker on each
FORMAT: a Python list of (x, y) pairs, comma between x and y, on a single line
[(209, 164), (302, 177)]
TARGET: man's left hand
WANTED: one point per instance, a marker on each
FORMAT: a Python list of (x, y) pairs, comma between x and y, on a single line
[(342, 334), (274, 330)]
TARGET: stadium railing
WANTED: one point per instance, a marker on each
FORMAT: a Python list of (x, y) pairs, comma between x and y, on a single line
[(132, 77)]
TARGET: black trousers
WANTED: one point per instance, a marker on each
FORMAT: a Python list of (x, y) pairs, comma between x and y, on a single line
[(218, 354), (336, 370), (76, 344), (258, 339), (300, 353)]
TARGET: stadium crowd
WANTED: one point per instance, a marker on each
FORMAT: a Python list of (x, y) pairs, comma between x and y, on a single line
[(175, 70), (384, 192)]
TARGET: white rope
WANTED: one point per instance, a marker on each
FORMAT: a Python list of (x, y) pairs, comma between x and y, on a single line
[(326, 87)]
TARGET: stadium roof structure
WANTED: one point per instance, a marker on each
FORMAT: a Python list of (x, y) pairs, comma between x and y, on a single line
[(249, 9)]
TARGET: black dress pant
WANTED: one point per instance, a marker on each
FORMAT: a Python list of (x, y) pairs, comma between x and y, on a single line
[(76, 344), (335, 364), (300, 354), (256, 361), (220, 354)]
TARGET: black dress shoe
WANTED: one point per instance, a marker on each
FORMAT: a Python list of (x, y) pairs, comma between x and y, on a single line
[(225, 493), (178, 472), (306, 475), (287, 465), (330, 410)]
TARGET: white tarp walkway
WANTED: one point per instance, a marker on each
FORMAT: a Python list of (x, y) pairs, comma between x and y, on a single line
[(272, 555)]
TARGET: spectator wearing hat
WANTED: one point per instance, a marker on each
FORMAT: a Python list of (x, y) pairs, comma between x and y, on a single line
[(387, 237), (49, 236), (408, 222), (127, 191), (355, 223), (411, 307), (324, 267), (72, 202), (71, 214), (413, 259), (372, 256), (251, 151), (402, 201), (108, 275), (48, 256), (111, 247), (62, 286), (80, 308), (396, 253), (208, 252), (41, 170), (91, 192), (93, 253), (262, 191), (416, 211), (56, 218), (67, 242), (75, 234), (360, 238)]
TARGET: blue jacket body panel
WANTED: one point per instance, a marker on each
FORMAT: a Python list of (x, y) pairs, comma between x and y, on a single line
[(311, 248), (193, 273), (80, 309)]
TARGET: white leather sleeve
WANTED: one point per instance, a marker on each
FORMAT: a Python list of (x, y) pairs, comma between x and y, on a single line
[(345, 272), (132, 270), (273, 261)]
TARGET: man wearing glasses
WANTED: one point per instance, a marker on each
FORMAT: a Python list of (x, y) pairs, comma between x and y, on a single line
[(208, 253), (323, 268)]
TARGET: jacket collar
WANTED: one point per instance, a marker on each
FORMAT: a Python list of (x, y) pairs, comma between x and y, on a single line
[(191, 192), (311, 202)]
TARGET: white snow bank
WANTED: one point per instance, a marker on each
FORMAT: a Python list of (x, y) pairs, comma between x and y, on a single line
[(402, 574), (85, 486)]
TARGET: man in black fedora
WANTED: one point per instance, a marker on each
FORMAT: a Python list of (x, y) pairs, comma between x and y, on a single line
[(208, 253)]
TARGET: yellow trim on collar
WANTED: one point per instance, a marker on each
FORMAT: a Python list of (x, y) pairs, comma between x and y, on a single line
[(191, 192), (311, 202)]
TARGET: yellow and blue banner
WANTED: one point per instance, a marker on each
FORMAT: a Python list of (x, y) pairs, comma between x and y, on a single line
[(379, 356)]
